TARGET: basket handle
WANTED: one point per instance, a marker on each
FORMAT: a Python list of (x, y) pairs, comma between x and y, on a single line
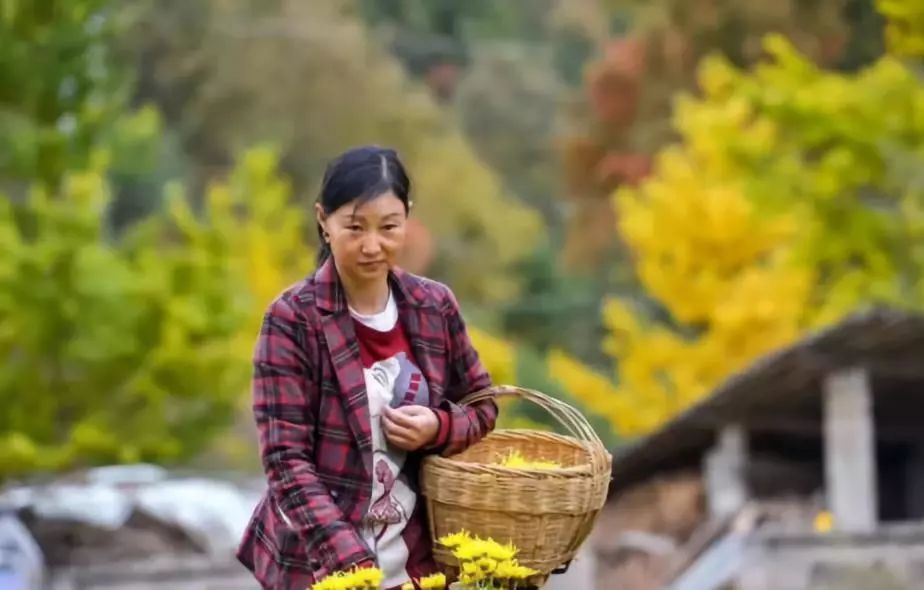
[(572, 420)]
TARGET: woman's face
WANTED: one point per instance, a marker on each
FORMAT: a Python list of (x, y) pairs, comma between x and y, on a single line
[(366, 239)]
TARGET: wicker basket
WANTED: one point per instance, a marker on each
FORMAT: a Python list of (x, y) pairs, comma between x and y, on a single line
[(546, 513)]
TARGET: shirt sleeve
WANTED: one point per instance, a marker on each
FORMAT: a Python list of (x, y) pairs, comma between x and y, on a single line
[(284, 398)]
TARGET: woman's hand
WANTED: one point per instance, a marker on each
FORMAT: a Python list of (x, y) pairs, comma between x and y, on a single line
[(410, 427)]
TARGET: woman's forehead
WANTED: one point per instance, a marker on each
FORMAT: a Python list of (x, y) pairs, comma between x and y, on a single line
[(381, 206)]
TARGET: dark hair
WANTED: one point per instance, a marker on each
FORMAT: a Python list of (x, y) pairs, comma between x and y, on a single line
[(361, 174)]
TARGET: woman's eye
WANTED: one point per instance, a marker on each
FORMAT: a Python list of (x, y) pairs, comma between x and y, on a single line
[(355, 228), (391, 227)]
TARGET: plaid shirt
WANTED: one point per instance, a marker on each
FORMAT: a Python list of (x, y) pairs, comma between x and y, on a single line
[(312, 415)]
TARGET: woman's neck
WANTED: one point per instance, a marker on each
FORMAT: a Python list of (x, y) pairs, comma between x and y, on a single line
[(366, 298)]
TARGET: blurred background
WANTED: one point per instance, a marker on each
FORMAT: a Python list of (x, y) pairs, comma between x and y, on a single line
[(633, 200)]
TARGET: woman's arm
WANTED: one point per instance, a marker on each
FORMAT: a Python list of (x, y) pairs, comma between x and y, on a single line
[(463, 426), (283, 405)]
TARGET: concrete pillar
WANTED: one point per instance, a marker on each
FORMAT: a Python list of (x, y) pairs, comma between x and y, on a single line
[(850, 450), (724, 468)]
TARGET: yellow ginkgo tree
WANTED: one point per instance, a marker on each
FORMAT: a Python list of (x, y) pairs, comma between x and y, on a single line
[(794, 197)]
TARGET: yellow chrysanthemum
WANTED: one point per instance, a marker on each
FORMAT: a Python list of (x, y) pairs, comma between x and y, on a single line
[(455, 540), (470, 550), (470, 568), (468, 579), (433, 582), (486, 565), (501, 552), (356, 579)]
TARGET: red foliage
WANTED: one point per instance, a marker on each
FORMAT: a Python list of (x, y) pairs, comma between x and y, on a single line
[(419, 249), (614, 82), (622, 168)]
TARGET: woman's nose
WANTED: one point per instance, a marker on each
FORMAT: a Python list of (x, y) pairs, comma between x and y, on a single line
[(371, 245)]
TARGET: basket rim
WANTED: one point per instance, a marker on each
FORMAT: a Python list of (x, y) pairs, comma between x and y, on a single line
[(580, 469), (558, 471)]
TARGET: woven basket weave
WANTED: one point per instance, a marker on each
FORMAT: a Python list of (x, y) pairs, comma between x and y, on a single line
[(546, 513)]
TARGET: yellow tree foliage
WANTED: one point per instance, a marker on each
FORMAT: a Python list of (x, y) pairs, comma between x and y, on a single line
[(497, 354), (595, 392), (905, 28), (499, 358), (794, 197), (264, 228)]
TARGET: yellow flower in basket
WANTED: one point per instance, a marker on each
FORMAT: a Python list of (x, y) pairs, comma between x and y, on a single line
[(516, 460)]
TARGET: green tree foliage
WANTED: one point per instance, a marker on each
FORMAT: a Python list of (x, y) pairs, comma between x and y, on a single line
[(508, 101), (63, 93), (136, 347), (113, 351), (425, 32)]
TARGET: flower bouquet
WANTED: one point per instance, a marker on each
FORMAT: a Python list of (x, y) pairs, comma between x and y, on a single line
[(484, 564)]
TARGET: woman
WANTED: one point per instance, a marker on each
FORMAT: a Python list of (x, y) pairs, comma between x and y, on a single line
[(357, 375)]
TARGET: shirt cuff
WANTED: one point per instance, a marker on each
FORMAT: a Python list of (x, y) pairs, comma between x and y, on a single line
[(442, 434)]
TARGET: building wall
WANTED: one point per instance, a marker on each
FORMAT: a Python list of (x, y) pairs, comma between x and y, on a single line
[(639, 530)]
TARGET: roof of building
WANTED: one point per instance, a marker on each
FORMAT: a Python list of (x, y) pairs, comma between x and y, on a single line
[(780, 392)]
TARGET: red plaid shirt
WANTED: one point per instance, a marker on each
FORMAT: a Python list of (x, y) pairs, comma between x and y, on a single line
[(310, 406)]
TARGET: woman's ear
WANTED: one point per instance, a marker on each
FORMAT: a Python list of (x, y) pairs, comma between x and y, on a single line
[(320, 216)]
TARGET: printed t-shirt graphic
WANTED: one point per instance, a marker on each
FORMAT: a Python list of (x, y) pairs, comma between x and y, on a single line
[(393, 527)]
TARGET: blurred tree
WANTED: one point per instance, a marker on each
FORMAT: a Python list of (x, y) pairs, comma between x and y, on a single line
[(64, 93), (572, 382), (534, 371), (793, 198), (611, 414), (557, 309), (435, 39), (508, 102), (136, 348), (262, 228), (905, 30), (624, 116), (114, 352), (58, 88), (315, 83), (865, 41)]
